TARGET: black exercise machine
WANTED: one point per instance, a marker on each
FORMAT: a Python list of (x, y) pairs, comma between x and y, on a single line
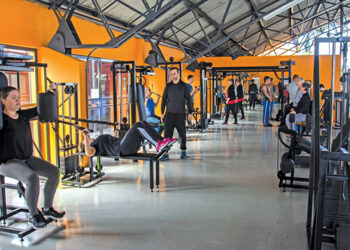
[(292, 158), (328, 217), (8, 211)]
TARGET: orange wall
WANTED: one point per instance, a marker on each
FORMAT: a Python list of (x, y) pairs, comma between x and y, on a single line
[(33, 25), (303, 66)]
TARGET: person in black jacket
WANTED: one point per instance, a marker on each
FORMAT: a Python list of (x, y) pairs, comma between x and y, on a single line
[(176, 97), (240, 97), (17, 160), (253, 91), (231, 102), (303, 106)]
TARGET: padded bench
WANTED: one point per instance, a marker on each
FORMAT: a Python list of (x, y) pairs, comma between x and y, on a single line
[(152, 158)]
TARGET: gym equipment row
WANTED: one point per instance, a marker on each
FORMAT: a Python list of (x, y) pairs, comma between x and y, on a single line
[(220, 73)]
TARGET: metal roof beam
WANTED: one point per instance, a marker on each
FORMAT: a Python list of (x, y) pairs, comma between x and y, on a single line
[(307, 19), (214, 23), (260, 22), (228, 37), (154, 32), (151, 17), (223, 20)]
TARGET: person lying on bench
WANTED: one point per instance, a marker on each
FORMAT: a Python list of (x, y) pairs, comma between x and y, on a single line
[(108, 145), (302, 108)]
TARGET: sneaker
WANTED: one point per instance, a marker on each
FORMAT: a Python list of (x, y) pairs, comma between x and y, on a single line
[(162, 144), (243, 118), (165, 157), (37, 221), (268, 125), (52, 213), (225, 123), (235, 123), (172, 141), (183, 154)]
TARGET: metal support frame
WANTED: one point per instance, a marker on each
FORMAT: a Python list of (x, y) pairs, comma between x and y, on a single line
[(319, 160), (66, 37), (125, 67)]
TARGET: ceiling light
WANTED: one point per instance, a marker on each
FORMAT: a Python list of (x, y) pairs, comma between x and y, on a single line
[(282, 9)]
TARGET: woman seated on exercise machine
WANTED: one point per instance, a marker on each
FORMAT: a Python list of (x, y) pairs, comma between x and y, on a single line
[(150, 106), (17, 160), (108, 145), (303, 107)]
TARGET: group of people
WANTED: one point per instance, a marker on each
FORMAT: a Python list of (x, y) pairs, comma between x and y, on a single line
[(17, 159), (16, 155), (234, 100), (298, 100)]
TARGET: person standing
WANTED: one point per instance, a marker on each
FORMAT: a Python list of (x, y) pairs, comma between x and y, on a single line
[(299, 94), (253, 91), (240, 97), (267, 100), (175, 98), (231, 102), (219, 94), (192, 91), (303, 106), (292, 89)]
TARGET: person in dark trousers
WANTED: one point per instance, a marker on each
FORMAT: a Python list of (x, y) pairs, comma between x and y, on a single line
[(231, 102), (240, 97), (303, 107), (219, 95), (267, 100), (17, 160), (176, 97), (108, 145), (253, 91), (192, 91), (325, 103), (281, 89)]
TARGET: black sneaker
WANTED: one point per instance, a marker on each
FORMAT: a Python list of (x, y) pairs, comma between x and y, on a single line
[(183, 155), (37, 221), (52, 213)]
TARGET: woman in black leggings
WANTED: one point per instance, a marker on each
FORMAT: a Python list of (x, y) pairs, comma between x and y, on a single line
[(17, 160), (108, 145)]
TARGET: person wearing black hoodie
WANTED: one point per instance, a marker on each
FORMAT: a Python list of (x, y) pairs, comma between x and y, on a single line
[(240, 97), (176, 98), (231, 102), (253, 91)]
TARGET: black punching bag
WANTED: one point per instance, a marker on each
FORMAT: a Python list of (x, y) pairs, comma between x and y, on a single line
[(3, 83), (47, 107)]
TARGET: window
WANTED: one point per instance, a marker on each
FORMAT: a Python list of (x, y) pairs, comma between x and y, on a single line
[(100, 93)]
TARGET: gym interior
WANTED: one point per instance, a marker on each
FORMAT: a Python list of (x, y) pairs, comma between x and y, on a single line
[(132, 145)]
